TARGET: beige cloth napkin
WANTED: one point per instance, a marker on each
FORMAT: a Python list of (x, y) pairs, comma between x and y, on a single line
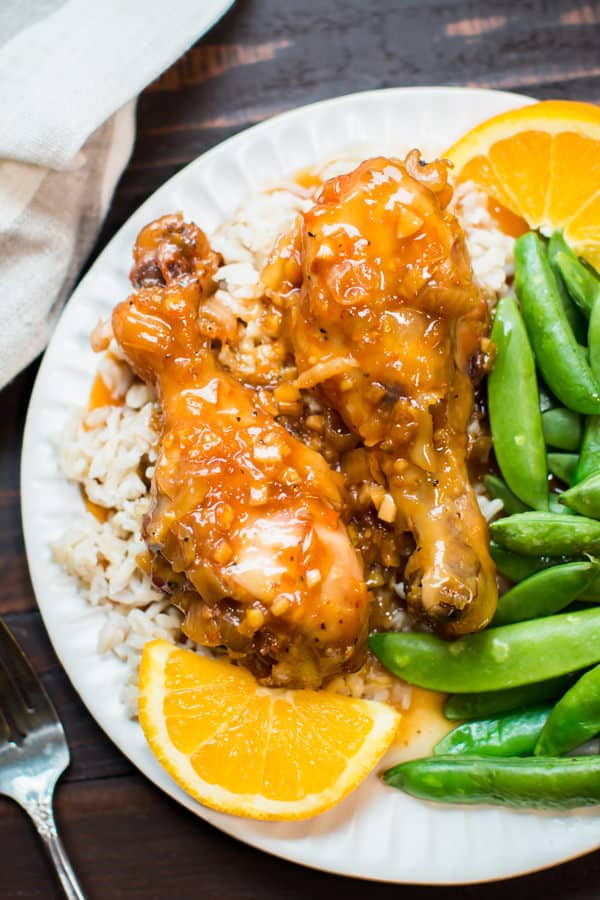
[(68, 72)]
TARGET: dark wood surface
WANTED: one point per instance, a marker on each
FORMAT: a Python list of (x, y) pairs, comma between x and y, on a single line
[(128, 840)]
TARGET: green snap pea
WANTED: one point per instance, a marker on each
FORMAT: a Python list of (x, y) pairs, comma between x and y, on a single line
[(491, 703), (513, 735), (496, 658), (556, 507), (547, 400), (562, 428), (516, 567), (534, 782), (545, 593), (575, 718), (584, 497), (582, 284), (514, 409), (499, 490), (556, 245), (589, 456), (594, 338), (561, 360), (547, 534), (563, 465), (592, 593)]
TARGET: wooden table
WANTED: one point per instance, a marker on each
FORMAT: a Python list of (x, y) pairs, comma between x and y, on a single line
[(126, 838)]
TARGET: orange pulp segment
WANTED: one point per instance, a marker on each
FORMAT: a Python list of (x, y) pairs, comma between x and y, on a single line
[(252, 751), (541, 162)]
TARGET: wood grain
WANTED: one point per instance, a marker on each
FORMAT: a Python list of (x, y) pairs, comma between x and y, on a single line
[(206, 61), (265, 56)]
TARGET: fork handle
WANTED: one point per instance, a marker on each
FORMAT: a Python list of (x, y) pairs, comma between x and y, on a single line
[(64, 869), (43, 818)]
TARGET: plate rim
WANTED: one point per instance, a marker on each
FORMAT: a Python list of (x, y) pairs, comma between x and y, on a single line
[(171, 789)]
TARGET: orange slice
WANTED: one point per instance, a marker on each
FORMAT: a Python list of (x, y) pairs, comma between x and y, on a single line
[(542, 162), (253, 751)]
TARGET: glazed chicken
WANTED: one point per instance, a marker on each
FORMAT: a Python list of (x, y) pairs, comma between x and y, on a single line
[(246, 530), (386, 320)]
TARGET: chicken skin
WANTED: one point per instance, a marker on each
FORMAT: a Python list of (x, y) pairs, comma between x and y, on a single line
[(386, 321), (246, 529)]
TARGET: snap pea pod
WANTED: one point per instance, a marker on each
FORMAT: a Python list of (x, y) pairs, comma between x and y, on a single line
[(491, 703), (590, 595), (592, 592), (584, 497), (563, 465), (562, 428), (499, 490), (589, 455), (533, 782), (556, 507), (561, 360), (547, 400), (517, 567), (513, 735), (496, 658), (556, 245), (514, 409), (589, 458), (582, 284), (545, 593), (594, 338), (547, 534), (575, 718)]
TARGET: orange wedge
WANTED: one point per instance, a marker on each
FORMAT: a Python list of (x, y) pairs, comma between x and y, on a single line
[(253, 751), (542, 162)]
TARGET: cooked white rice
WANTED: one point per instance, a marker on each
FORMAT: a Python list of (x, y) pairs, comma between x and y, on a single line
[(110, 451), (491, 250)]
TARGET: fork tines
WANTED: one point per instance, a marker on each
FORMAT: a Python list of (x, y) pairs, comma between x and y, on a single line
[(24, 702)]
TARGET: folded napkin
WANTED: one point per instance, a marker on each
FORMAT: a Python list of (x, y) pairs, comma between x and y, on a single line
[(68, 72)]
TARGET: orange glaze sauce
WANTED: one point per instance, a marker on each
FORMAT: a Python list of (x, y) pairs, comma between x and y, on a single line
[(99, 512), (422, 725), (308, 179), (508, 222), (100, 395), (247, 511)]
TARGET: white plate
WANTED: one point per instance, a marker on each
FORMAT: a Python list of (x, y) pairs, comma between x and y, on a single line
[(377, 832)]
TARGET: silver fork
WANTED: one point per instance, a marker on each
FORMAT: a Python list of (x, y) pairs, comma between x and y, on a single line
[(33, 751)]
